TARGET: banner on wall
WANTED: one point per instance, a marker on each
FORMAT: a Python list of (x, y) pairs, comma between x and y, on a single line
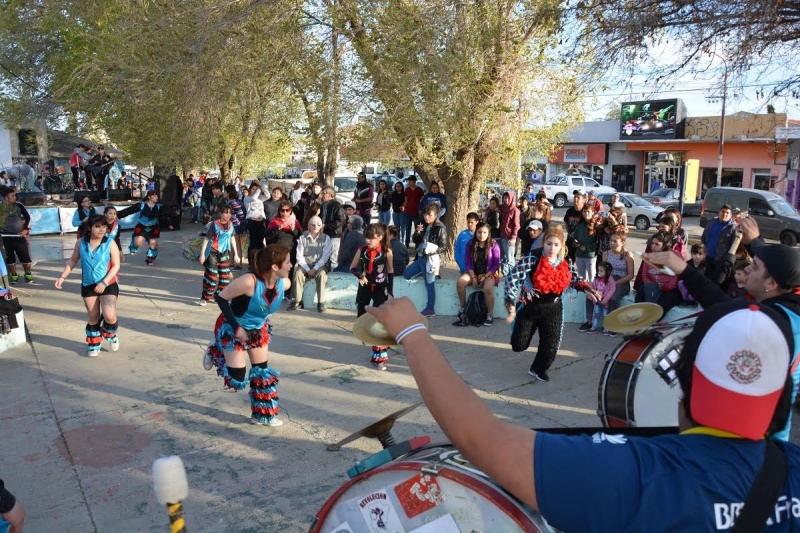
[(44, 220), (53, 220)]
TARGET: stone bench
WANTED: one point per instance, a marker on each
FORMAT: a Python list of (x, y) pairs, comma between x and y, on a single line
[(342, 287)]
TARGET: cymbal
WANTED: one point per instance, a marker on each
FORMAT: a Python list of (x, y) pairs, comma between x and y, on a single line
[(368, 330), (634, 317), (374, 430)]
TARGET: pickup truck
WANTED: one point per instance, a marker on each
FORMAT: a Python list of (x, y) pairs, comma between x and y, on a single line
[(559, 189)]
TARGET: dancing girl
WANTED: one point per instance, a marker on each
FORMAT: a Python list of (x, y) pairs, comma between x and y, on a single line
[(373, 266), (99, 260), (533, 297), (243, 328), (147, 227), (218, 248)]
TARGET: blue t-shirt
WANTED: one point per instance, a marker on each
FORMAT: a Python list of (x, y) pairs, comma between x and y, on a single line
[(460, 252), (689, 482)]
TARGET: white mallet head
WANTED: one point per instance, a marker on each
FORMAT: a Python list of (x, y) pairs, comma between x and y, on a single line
[(169, 480)]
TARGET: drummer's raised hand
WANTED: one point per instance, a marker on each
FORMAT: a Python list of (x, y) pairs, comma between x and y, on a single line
[(668, 259), (396, 314), (749, 229)]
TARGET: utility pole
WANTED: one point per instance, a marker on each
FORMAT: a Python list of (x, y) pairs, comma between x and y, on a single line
[(722, 120)]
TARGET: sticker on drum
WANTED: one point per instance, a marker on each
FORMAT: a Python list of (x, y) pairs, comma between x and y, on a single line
[(638, 386), (431, 490)]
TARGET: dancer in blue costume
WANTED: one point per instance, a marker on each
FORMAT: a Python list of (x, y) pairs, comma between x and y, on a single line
[(244, 326), (99, 259), (147, 228)]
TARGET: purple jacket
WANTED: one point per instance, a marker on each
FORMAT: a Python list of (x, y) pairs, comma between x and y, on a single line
[(492, 259)]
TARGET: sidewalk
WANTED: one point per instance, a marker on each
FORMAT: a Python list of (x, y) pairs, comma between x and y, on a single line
[(81, 434)]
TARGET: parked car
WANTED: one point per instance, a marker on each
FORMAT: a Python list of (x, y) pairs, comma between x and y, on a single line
[(666, 197), (641, 213), (345, 187), (776, 218), (559, 189)]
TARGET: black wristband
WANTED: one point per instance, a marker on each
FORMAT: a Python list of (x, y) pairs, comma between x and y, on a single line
[(391, 284)]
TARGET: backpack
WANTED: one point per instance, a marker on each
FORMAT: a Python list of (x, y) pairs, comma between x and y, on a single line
[(476, 311)]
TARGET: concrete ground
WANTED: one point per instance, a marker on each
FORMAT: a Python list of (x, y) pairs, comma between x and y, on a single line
[(80, 434)]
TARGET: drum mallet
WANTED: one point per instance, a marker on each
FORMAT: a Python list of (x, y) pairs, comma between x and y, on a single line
[(172, 487)]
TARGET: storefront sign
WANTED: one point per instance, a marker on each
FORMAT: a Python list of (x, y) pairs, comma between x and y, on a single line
[(576, 153)]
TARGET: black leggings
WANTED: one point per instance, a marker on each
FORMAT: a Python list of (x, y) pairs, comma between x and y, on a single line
[(377, 294), (548, 318), (257, 229)]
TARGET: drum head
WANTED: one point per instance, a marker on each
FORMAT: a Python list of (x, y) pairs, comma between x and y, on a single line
[(432, 490), (633, 391)]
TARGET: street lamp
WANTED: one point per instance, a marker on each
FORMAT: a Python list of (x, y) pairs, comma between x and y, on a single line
[(722, 119)]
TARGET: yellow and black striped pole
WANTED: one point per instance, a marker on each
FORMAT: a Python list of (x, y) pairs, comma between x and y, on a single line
[(177, 523), (172, 487)]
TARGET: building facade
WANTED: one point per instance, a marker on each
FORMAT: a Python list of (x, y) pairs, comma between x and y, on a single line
[(752, 155)]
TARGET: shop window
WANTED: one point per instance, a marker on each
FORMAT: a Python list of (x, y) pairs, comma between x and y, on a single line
[(731, 177), (622, 177), (761, 179)]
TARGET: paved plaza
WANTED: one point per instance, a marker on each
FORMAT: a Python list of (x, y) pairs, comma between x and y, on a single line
[(81, 434)]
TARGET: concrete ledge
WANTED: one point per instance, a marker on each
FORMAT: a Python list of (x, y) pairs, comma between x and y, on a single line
[(341, 294), (15, 337)]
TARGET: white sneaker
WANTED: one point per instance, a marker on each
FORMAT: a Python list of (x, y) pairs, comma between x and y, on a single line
[(114, 344), (208, 363), (274, 422), (202, 302), (93, 353)]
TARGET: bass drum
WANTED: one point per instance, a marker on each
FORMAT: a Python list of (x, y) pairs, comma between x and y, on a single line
[(638, 387), (431, 490)]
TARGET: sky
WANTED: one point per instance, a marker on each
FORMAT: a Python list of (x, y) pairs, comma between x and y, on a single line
[(701, 92)]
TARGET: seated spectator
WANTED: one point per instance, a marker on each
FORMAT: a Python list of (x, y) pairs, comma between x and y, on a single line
[(399, 251), (313, 252), (463, 238), (353, 240), (658, 286), (483, 271)]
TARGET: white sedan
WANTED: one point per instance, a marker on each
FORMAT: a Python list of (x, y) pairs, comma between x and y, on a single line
[(641, 213)]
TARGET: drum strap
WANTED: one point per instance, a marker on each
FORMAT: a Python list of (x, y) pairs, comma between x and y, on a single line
[(765, 491)]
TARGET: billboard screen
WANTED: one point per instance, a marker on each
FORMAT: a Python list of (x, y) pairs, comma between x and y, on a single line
[(652, 119)]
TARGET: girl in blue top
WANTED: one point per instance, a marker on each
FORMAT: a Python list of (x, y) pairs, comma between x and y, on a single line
[(83, 214), (99, 259), (147, 228), (243, 327), (218, 248)]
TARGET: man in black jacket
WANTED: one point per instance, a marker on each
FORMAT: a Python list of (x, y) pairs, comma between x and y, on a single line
[(332, 216), (773, 278), (100, 165)]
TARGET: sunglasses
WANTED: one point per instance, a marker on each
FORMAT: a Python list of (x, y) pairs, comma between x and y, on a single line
[(286, 210)]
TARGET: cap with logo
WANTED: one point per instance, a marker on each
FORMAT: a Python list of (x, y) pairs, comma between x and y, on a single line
[(743, 355)]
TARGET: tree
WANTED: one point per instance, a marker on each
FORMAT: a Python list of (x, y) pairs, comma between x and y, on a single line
[(750, 35), (449, 77)]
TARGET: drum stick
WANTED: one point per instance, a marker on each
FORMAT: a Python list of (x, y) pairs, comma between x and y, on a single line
[(737, 239), (172, 487)]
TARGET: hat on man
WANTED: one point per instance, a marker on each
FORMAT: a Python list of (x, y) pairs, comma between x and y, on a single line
[(742, 364), (535, 224), (349, 203), (579, 192), (782, 262)]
